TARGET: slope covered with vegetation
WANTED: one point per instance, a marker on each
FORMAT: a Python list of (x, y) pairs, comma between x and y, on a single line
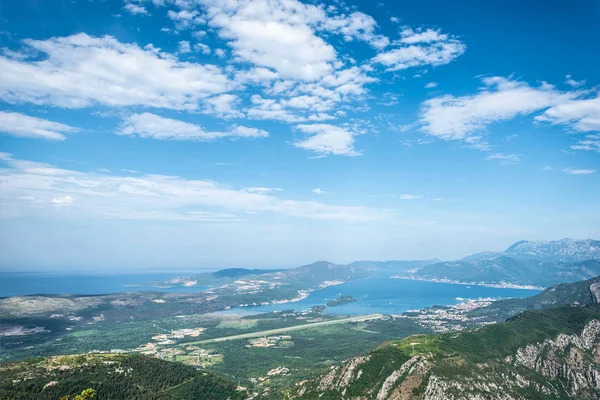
[(539, 354), (111, 376)]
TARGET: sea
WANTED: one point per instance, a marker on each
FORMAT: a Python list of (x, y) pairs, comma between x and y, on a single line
[(30, 283), (375, 295)]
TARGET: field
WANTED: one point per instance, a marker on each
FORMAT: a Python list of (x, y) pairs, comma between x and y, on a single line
[(284, 346)]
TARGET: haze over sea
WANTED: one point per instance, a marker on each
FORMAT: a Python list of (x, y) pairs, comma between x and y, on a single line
[(376, 295)]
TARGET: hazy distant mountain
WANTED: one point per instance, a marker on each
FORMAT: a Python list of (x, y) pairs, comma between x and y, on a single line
[(512, 270), (238, 272), (568, 250), (395, 265)]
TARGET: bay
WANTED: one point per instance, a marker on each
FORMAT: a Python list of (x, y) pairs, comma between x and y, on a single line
[(390, 296)]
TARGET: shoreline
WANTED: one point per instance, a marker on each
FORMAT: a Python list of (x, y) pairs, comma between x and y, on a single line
[(501, 285)]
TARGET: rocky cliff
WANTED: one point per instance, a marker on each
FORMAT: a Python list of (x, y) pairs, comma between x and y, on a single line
[(551, 354)]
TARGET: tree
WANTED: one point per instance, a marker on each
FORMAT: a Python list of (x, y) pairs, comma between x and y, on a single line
[(87, 394)]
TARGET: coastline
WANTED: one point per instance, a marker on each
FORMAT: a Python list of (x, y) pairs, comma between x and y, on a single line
[(499, 285)]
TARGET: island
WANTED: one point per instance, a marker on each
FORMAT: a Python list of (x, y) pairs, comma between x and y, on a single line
[(341, 300)]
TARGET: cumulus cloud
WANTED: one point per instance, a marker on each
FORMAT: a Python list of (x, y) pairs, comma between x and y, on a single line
[(21, 125), (148, 197), (328, 139), (81, 70), (149, 125), (185, 19), (223, 106), (581, 115), (420, 48), (460, 118), (135, 9), (431, 85), (184, 47), (318, 191)]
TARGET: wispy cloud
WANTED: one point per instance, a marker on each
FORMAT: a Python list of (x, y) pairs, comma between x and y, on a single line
[(149, 197), (149, 125), (505, 159), (408, 196), (21, 125), (578, 171)]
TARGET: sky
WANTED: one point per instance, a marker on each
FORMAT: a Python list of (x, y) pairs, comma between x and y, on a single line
[(204, 134)]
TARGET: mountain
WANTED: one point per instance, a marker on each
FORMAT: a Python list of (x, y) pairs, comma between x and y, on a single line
[(396, 266), (549, 354), (113, 377), (238, 272), (567, 250), (511, 270), (585, 292)]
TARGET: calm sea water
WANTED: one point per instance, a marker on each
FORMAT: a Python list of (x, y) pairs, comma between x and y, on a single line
[(25, 283), (391, 296), (383, 295)]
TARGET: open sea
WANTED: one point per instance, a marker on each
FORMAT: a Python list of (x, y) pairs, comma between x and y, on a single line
[(375, 295), (26, 283)]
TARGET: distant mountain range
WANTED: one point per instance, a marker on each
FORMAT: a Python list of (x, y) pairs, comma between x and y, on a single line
[(530, 263), (566, 250), (511, 270)]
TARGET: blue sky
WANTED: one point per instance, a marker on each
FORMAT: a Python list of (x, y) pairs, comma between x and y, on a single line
[(191, 134)]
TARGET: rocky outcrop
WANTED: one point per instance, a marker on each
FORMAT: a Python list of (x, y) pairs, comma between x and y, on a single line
[(564, 366), (340, 377)]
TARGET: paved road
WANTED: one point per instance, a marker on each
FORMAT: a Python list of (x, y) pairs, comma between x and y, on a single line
[(288, 329)]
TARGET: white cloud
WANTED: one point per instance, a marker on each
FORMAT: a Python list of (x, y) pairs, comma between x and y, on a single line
[(419, 49), (578, 171), (357, 25), (223, 106), (581, 115), (590, 143), (63, 201), (431, 85), (505, 159), (328, 139), (573, 83), (149, 125), (262, 189), (394, 20), (21, 125), (81, 71), (408, 196), (318, 191), (459, 118), (274, 34), (184, 47), (202, 48), (409, 36), (148, 197), (135, 9), (185, 19)]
